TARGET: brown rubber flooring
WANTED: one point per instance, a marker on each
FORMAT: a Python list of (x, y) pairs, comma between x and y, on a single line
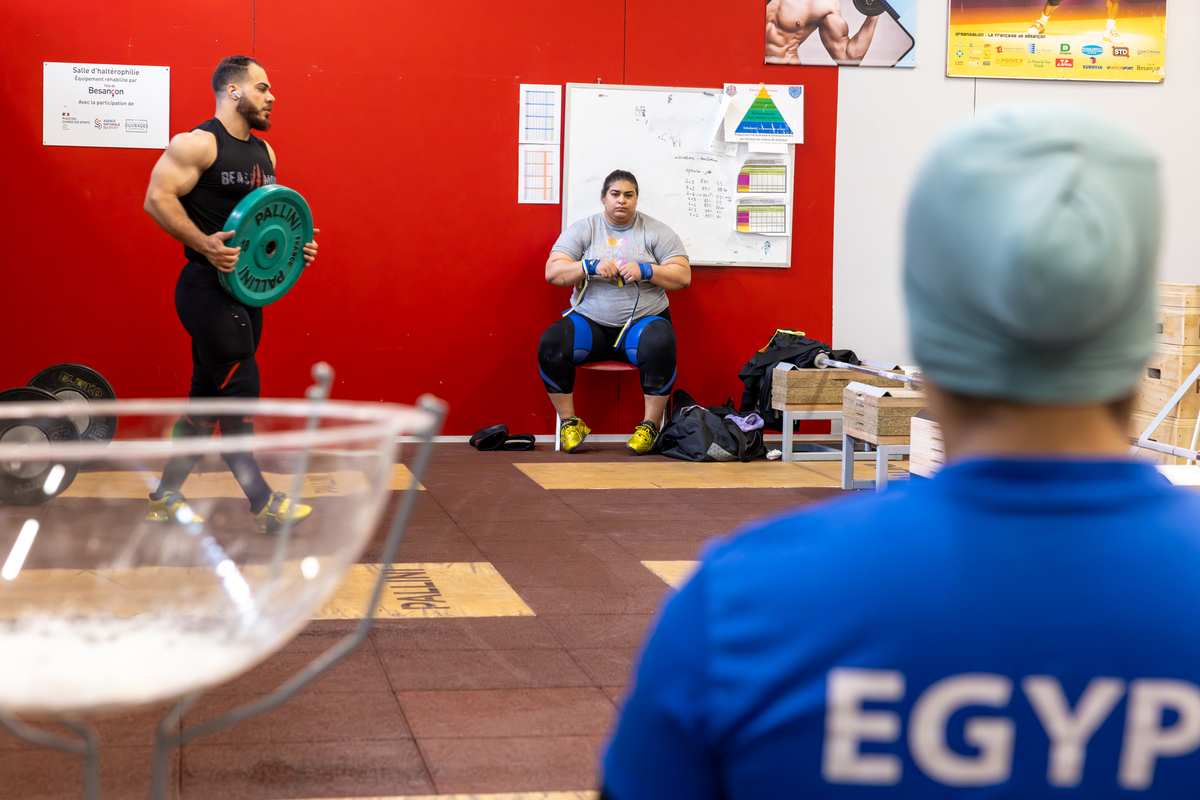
[(443, 706)]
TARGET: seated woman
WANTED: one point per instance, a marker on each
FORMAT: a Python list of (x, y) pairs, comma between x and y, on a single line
[(621, 264)]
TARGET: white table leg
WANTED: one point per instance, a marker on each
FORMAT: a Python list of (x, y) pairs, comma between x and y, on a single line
[(881, 467), (788, 437), (847, 462)]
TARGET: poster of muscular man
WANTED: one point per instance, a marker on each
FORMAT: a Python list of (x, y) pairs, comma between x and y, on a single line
[(848, 33), (1066, 40)]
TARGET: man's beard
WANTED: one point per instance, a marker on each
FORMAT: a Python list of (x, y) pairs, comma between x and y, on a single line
[(256, 119)]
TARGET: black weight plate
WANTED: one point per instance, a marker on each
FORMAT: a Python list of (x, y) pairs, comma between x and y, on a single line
[(271, 225), (871, 8), (75, 383), (23, 483)]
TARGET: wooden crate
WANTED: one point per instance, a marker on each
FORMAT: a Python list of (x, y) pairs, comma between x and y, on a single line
[(818, 386), (1174, 432), (1182, 296), (881, 419), (1177, 326), (928, 453), (1166, 370)]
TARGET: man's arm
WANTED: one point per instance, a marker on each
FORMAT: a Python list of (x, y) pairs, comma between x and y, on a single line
[(835, 35), (673, 273), (176, 174)]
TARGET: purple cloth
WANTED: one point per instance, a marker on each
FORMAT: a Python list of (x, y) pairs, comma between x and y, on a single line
[(750, 422)]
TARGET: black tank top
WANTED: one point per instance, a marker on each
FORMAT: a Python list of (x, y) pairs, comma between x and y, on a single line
[(240, 168)]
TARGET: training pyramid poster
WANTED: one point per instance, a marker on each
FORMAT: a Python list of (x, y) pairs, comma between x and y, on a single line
[(761, 113)]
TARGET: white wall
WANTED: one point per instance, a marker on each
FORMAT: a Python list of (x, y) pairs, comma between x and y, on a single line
[(887, 120)]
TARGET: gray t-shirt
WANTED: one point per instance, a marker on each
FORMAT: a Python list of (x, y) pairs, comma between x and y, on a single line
[(644, 239)]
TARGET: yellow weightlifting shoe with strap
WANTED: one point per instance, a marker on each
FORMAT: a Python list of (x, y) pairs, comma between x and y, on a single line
[(643, 438), (277, 511), (172, 507), (572, 433)]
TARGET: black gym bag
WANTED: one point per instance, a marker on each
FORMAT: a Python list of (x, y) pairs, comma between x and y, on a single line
[(696, 433)]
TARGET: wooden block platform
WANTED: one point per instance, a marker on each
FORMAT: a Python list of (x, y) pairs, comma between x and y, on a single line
[(874, 438), (887, 416), (791, 386), (1179, 296), (928, 452), (1167, 369)]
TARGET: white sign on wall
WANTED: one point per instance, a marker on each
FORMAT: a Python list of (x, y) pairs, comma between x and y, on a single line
[(106, 105)]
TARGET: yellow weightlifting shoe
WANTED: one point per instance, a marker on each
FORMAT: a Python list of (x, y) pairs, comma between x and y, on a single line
[(277, 511), (572, 433), (643, 438), (172, 507)]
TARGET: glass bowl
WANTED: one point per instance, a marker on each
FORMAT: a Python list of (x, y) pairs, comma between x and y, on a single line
[(103, 607)]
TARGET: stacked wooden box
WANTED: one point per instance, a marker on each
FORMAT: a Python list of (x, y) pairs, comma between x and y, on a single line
[(880, 420), (1177, 325), (928, 453), (817, 386)]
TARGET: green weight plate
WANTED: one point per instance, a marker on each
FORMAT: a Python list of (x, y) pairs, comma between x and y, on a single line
[(75, 383), (24, 483), (271, 225), (871, 8)]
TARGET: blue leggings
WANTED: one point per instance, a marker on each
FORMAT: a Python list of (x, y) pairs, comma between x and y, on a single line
[(574, 339)]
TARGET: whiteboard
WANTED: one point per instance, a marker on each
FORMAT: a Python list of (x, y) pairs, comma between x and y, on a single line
[(662, 136)]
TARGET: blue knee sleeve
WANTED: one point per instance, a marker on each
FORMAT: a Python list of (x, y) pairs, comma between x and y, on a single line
[(635, 333), (583, 339)]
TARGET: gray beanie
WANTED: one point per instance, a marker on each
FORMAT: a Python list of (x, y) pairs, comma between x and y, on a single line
[(1029, 258)]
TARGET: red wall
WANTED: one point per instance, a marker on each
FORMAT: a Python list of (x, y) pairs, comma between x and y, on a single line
[(397, 121)]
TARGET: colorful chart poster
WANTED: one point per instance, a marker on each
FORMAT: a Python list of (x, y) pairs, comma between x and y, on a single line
[(1077, 40), (847, 33), (761, 113)]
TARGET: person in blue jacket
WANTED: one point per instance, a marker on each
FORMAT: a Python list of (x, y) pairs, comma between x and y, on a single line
[(1027, 623)]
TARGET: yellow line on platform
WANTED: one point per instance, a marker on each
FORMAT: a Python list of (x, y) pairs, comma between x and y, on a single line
[(130, 485), (686, 475), (473, 589), (676, 573)]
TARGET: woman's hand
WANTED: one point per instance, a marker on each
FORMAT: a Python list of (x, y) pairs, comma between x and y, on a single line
[(631, 271), (608, 269)]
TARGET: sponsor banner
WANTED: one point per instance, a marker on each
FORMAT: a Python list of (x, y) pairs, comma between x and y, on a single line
[(1014, 39), (105, 105)]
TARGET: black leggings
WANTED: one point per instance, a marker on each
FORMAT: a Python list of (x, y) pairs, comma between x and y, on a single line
[(649, 345), (225, 336)]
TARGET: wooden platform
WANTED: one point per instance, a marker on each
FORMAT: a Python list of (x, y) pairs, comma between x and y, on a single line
[(818, 386), (675, 573), (759, 474), (473, 589), (131, 485)]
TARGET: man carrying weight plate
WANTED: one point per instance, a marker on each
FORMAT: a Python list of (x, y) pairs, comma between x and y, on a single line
[(194, 187)]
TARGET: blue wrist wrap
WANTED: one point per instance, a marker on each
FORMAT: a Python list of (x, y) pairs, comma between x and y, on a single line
[(647, 270), (589, 264)]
